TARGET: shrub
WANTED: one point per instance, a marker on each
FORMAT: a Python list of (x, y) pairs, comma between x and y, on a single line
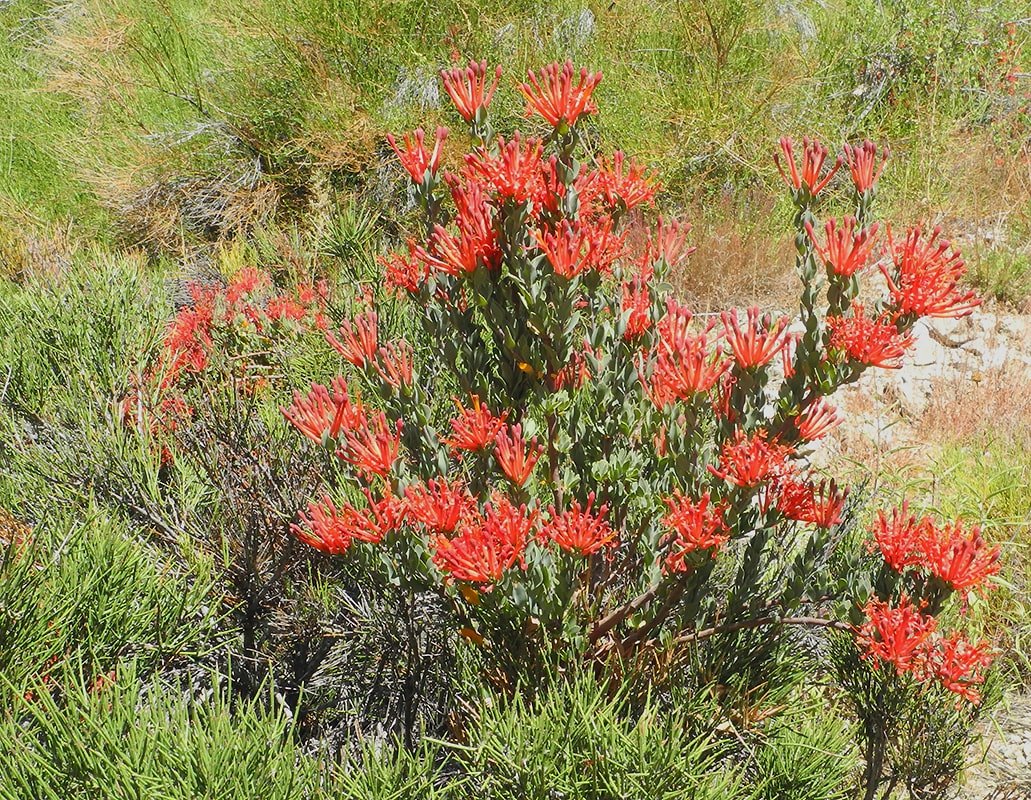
[(623, 479)]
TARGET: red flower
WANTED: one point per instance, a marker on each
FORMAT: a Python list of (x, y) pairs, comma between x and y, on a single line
[(847, 251), (439, 505), (475, 427), (578, 530), (468, 88), (901, 538), (804, 501), (637, 306), (372, 449), (360, 339), (900, 636), (759, 342), (414, 158), (747, 461), (514, 172), (962, 560), (959, 665), (871, 342), (817, 420), (551, 93), (577, 248), (624, 184), (813, 156), (666, 243), (403, 273), (514, 456), (332, 530), (862, 163), (485, 548), (686, 364), (694, 526), (926, 276), (395, 364), (320, 414)]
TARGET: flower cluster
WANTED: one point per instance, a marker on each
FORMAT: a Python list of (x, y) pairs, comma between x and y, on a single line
[(905, 637), (612, 449), (959, 558)]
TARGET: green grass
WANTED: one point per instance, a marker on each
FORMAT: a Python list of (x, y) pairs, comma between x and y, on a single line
[(172, 121)]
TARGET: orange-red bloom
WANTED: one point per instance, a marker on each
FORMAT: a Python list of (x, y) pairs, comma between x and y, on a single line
[(901, 537), (516, 457), (862, 163), (514, 172), (964, 561), (474, 428), (686, 364), (360, 339), (872, 342), (468, 88), (622, 185), (694, 525), (439, 505), (926, 275), (758, 342), (372, 449), (403, 273), (578, 530), (900, 636), (486, 547), (321, 414), (960, 666), (552, 94), (577, 248), (413, 156), (395, 365), (748, 461), (813, 156), (332, 529), (819, 419), (805, 501), (847, 249)]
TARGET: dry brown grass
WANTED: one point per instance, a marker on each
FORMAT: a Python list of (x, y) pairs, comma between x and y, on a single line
[(738, 261), (996, 405)]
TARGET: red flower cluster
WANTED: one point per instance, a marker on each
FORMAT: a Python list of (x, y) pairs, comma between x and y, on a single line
[(962, 560), (805, 501), (847, 250), (758, 342), (551, 93), (513, 173), (817, 420), (814, 155), (580, 247), (360, 339), (474, 428), (439, 505), (486, 546), (413, 156), (694, 525), (468, 88), (871, 342), (515, 457), (862, 163), (926, 275), (748, 461), (578, 530), (624, 185), (906, 638), (686, 363), (333, 529), (321, 415)]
